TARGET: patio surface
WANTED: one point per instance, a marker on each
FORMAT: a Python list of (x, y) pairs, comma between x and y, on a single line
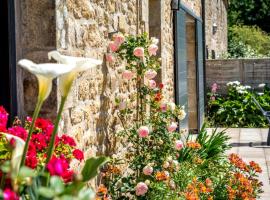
[(260, 155)]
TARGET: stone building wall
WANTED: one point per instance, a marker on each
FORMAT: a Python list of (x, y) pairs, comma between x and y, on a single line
[(216, 15), (194, 5)]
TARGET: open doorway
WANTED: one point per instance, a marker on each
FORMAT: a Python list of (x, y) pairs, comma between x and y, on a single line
[(8, 58)]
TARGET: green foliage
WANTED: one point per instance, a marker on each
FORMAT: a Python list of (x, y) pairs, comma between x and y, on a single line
[(249, 12), (248, 42), (237, 109)]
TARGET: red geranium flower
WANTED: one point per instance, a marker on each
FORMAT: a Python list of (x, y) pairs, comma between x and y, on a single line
[(68, 140), (8, 194), (57, 166), (18, 131), (3, 119), (78, 154), (67, 176)]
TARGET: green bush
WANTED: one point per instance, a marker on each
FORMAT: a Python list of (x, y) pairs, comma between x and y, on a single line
[(248, 42), (237, 109)]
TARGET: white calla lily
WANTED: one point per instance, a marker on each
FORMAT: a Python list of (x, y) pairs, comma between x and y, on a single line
[(45, 73), (17, 152), (79, 64)]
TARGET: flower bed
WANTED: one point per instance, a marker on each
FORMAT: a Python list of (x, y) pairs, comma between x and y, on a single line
[(237, 109), (162, 163)]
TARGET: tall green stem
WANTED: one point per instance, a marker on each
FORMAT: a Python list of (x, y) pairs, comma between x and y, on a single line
[(55, 130), (35, 115)]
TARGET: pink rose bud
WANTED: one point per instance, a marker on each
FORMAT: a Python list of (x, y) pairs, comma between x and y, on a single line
[(172, 127), (138, 52), (152, 49), (163, 107), (110, 58), (213, 98), (143, 131), (152, 84), (127, 74), (178, 144), (148, 170), (150, 74), (141, 189), (113, 46), (119, 39)]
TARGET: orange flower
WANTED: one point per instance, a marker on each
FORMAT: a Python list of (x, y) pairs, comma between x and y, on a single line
[(238, 162), (208, 182), (162, 176), (193, 145), (102, 189), (256, 167)]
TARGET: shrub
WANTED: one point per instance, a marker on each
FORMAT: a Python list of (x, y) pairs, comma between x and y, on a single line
[(237, 109), (248, 42)]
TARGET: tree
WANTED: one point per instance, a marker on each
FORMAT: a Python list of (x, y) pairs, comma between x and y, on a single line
[(250, 12)]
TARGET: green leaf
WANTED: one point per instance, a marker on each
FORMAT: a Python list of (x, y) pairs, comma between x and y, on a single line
[(26, 172), (57, 184), (46, 192), (91, 166)]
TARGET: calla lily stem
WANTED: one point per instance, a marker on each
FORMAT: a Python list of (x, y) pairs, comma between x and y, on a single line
[(55, 130), (35, 115)]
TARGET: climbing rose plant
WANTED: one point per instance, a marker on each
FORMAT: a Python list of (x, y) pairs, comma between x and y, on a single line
[(157, 163)]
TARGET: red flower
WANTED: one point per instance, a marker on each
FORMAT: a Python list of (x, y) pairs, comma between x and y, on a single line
[(39, 140), (78, 154), (58, 166), (68, 140), (10, 195), (44, 124), (3, 119), (18, 131), (31, 160), (67, 176), (161, 86)]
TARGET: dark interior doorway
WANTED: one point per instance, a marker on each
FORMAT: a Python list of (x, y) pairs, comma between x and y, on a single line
[(7, 58)]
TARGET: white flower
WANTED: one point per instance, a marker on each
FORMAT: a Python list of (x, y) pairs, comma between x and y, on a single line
[(181, 114), (262, 85), (16, 153), (79, 64), (45, 73), (154, 40), (233, 83)]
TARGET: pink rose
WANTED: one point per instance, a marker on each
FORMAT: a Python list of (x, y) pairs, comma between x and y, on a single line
[(152, 84), (163, 107), (110, 58), (214, 88), (148, 170), (122, 105), (138, 52), (213, 98), (127, 74), (119, 39), (172, 127), (150, 74), (152, 49), (178, 144), (143, 131), (113, 46), (141, 188)]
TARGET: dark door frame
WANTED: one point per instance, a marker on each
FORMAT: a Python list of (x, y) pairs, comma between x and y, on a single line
[(12, 59)]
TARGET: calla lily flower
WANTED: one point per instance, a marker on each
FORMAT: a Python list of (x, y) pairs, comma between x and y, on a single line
[(79, 64), (17, 152), (45, 73)]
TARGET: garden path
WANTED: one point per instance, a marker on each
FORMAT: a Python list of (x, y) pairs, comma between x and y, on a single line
[(244, 136)]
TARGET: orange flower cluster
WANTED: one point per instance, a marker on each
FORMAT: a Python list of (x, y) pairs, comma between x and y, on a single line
[(197, 189), (102, 193), (111, 169), (162, 176), (193, 145), (238, 162), (241, 187), (256, 167)]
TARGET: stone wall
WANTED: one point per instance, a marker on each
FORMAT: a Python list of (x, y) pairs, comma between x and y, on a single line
[(194, 5), (216, 40), (250, 72)]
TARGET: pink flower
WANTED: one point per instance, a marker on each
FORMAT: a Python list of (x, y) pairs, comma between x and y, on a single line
[(3, 118), (141, 189), (163, 107), (178, 144), (152, 84), (8, 194), (119, 39), (18, 131), (143, 131), (122, 105), (127, 74), (57, 166), (214, 88), (150, 74), (110, 58), (148, 170), (113, 46), (152, 49), (213, 98), (172, 127), (138, 52)]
